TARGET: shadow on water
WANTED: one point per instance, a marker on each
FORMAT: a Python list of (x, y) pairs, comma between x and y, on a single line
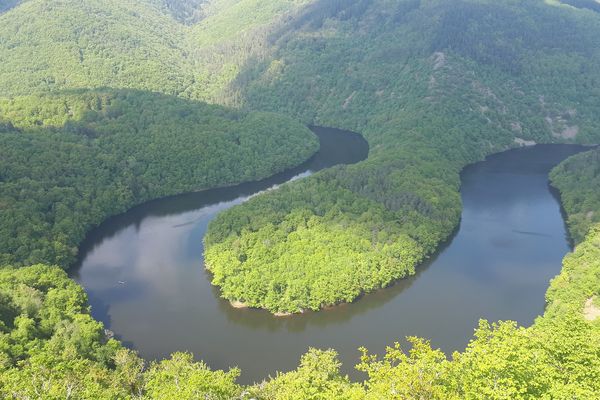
[(556, 194)]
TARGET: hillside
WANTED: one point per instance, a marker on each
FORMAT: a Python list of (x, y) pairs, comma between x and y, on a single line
[(121, 44), (189, 48), (103, 105), (578, 181), (433, 86), (144, 46), (70, 160), (51, 345)]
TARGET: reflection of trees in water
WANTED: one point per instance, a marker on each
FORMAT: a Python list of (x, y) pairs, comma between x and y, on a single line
[(337, 147)]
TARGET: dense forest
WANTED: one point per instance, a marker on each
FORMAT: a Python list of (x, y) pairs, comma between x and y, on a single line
[(578, 180), (103, 106), (455, 98), (189, 48), (72, 159), (52, 348)]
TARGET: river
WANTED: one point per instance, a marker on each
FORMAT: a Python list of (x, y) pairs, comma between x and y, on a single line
[(144, 275)]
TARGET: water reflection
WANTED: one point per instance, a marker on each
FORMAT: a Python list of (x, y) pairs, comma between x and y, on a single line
[(144, 271)]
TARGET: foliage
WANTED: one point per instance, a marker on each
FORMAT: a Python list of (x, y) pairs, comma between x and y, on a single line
[(432, 85), (578, 280), (182, 378), (317, 378), (189, 48), (71, 160), (186, 11), (416, 375), (95, 43), (50, 346), (578, 180), (474, 82), (309, 261)]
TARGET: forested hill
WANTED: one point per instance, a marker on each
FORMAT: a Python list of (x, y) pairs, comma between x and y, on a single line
[(578, 180), (101, 108), (433, 86), (189, 48), (99, 149), (69, 160), (131, 43)]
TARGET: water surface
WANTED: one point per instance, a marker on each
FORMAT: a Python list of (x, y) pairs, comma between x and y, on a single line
[(144, 274)]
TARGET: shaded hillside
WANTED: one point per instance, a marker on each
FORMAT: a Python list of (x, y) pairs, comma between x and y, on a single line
[(189, 48), (188, 12), (68, 161)]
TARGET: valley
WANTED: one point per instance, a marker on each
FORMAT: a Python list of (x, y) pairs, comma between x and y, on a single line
[(137, 141)]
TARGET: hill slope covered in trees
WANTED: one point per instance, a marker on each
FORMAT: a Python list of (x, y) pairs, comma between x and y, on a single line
[(51, 348), (69, 160), (433, 85), (578, 180), (189, 48)]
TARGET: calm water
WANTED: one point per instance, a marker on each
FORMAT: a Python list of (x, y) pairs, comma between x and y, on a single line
[(144, 274)]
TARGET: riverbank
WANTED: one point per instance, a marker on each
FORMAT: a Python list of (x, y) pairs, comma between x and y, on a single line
[(506, 200)]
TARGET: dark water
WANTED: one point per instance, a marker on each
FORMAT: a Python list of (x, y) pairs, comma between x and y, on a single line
[(509, 245)]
